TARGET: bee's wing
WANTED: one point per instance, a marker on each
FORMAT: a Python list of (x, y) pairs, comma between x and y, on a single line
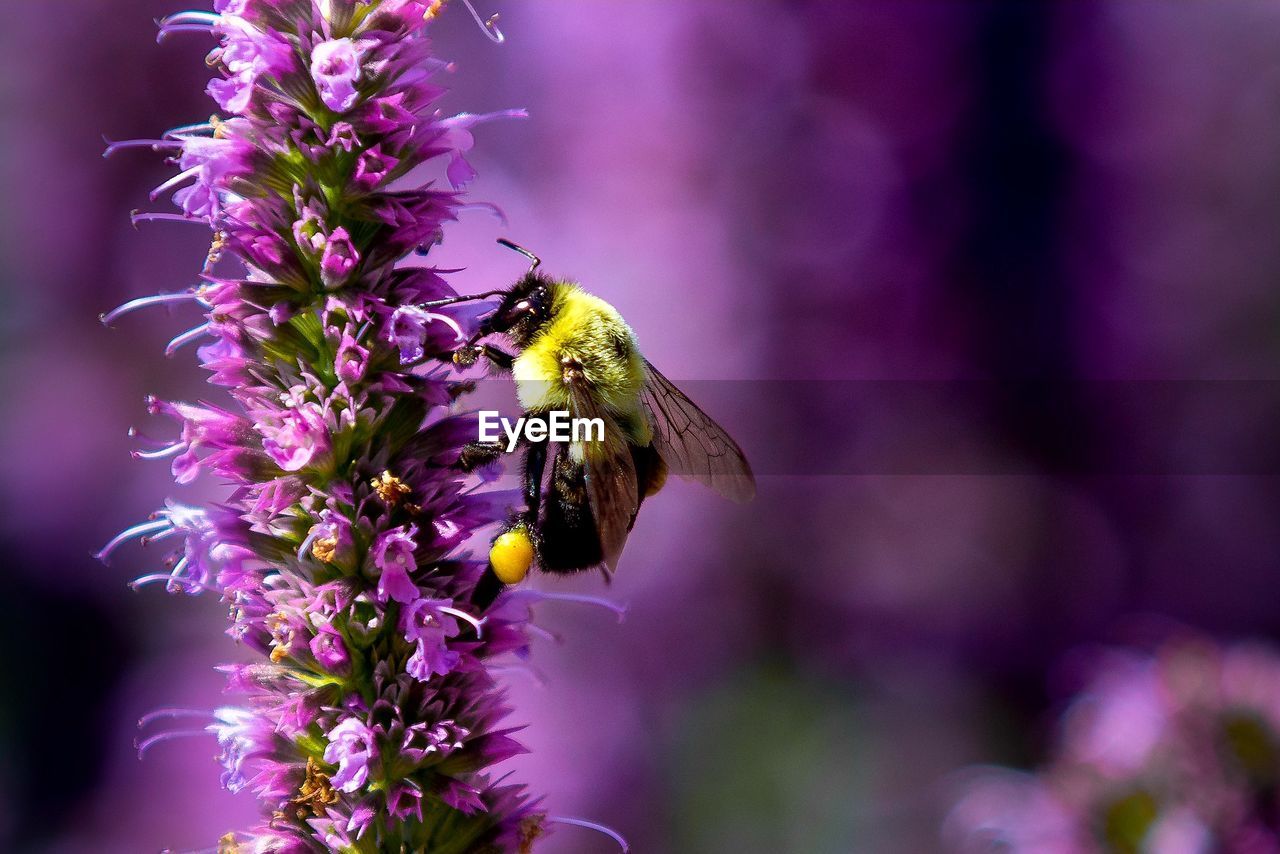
[(691, 444), (610, 470)]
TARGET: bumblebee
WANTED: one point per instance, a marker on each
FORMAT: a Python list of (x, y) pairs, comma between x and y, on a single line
[(574, 353)]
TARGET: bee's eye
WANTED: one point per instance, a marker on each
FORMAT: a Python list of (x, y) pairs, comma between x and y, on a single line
[(523, 306)]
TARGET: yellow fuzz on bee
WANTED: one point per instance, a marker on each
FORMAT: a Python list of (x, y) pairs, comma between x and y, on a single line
[(511, 556)]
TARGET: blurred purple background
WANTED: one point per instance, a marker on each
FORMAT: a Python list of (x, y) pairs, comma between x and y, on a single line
[(784, 190)]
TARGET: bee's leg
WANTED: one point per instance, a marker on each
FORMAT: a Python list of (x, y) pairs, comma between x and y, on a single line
[(500, 359), (470, 353), (487, 590), (535, 462), (478, 454), (461, 389)]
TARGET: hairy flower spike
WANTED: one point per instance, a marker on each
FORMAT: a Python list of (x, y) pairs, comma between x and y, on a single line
[(373, 718)]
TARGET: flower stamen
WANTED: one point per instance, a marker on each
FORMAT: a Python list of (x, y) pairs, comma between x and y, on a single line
[(325, 549), (153, 144), (187, 130), (185, 175), (186, 338), (136, 532), (146, 302), (160, 454), (488, 27), (153, 216), (147, 743), (575, 598), (215, 250), (316, 792), (477, 624), (591, 825), (187, 22), (390, 488), (169, 713)]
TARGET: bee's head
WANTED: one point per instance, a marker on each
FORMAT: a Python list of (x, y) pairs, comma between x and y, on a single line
[(524, 308)]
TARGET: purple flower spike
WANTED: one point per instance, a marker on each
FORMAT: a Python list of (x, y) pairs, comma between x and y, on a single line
[(372, 716)]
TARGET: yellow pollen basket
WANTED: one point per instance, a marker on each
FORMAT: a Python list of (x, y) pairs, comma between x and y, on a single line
[(511, 556)]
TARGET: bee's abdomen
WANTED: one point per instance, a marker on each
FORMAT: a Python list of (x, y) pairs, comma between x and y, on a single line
[(570, 541)]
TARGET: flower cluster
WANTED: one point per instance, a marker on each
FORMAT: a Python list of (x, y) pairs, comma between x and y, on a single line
[(1176, 752), (372, 718)]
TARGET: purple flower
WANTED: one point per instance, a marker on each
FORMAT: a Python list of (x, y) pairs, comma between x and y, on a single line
[(351, 361), (392, 556), (429, 628), (309, 230), (412, 328), (293, 437), (343, 136), (330, 650), (424, 740), (351, 747), (335, 65), (1121, 719), (458, 137), (266, 250), (244, 738), (209, 164), (372, 168), (339, 259), (331, 539), (246, 54)]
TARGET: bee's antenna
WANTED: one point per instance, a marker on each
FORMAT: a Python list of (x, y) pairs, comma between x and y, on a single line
[(516, 247)]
